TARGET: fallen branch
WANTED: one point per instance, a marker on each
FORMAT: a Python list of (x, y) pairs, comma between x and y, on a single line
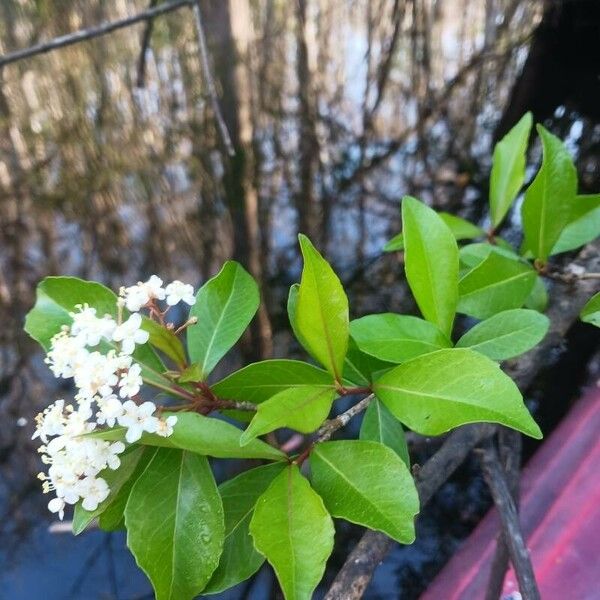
[(354, 576)]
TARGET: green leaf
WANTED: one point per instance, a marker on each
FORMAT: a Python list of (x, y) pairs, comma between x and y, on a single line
[(506, 334), (240, 559), (360, 368), (302, 409), (192, 373), (201, 435), (431, 260), (292, 304), (496, 284), (538, 298), (460, 228), (321, 311), (549, 199), (117, 480), (224, 308), (474, 254), (508, 168), (294, 531), (583, 226), (435, 392), (396, 338), (175, 527), (380, 425), (366, 483), (58, 296), (591, 311), (165, 340)]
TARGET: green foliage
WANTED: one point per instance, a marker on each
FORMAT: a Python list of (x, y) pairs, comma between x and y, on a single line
[(294, 531), (506, 334), (396, 338), (498, 283), (583, 225), (435, 392), (380, 425), (321, 311), (224, 307), (366, 483), (591, 311), (431, 258), (549, 199), (174, 520), (508, 169)]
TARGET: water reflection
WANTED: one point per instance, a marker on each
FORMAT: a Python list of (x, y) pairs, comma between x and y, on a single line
[(111, 167)]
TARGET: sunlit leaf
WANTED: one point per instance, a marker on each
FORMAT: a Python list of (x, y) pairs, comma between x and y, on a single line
[(583, 226), (591, 311)]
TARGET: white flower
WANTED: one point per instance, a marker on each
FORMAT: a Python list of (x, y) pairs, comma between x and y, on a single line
[(130, 334), (65, 354), (57, 505), (137, 296), (51, 422), (165, 426), (154, 285), (97, 375), (90, 329), (110, 410), (178, 291), (106, 455), (93, 490), (138, 419), (131, 382)]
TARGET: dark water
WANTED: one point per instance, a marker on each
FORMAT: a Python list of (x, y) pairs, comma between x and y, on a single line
[(336, 108)]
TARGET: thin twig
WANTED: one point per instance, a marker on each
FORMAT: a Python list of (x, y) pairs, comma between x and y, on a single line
[(519, 555), (141, 71), (91, 32), (212, 92), (331, 426)]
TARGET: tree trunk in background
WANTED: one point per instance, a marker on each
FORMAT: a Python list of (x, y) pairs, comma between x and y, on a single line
[(228, 26)]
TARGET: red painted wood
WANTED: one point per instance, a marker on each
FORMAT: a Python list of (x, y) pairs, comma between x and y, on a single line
[(560, 515)]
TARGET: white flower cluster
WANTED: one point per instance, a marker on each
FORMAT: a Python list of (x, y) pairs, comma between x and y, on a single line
[(107, 385)]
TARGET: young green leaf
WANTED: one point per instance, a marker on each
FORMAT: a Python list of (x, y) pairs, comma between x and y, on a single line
[(549, 199), (591, 311), (261, 380), (165, 340), (292, 305), (435, 392), (431, 260), (117, 480), (396, 338), (496, 284), (460, 228), (174, 520), (366, 483), (473, 255), (201, 435), (506, 334), (380, 425), (224, 308), (360, 368), (300, 408), (240, 559), (508, 168), (294, 531), (321, 311), (538, 298), (583, 225)]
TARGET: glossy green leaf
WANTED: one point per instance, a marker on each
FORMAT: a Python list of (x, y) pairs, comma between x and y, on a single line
[(117, 480), (292, 304), (431, 261), (380, 425), (240, 559), (299, 408), (294, 531), (496, 284), (224, 308), (435, 392), (474, 254), (58, 296), (201, 435), (360, 368), (506, 334), (591, 311), (460, 228), (175, 527), (396, 338), (165, 340), (549, 199), (193, 373), (583, 226), (538, 297), (321, 311), (508, 168), (366, 483)]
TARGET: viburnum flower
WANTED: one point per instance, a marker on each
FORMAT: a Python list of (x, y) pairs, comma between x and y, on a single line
[(138, 419), (137, 296), (178, 291), (130, 333), (111, 409), (165, 426), (94, 490), (65, 354), (131, 382), (98, 374), (51, 422), (90, 329)]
